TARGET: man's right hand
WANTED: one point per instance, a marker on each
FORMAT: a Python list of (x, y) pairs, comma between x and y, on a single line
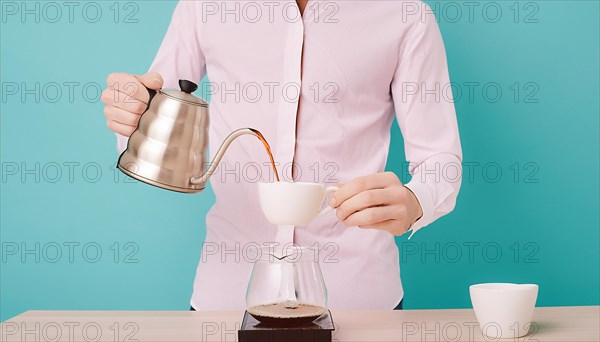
[(126, 99)]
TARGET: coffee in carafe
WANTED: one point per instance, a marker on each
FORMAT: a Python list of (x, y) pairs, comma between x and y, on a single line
[(282, 313)]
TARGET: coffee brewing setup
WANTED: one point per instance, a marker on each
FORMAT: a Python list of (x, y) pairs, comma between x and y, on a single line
[(286, 298)]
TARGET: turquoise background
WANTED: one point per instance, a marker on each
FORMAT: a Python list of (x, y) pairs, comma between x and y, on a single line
[(543, 219)]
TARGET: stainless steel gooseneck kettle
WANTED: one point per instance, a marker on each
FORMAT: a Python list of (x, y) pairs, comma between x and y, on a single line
[(168, 148)]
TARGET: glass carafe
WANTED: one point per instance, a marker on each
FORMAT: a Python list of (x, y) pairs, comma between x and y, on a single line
[(286, 286)]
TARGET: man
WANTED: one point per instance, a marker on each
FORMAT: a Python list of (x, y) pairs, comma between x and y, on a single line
[(323, 88)]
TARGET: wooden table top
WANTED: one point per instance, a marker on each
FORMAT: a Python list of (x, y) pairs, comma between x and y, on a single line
[(575, 323)]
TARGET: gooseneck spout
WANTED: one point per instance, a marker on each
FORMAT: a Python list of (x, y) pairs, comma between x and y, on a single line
[(213, 165)]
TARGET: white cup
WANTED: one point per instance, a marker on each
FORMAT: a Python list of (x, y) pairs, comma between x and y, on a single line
[(504, 310), (295, 204)]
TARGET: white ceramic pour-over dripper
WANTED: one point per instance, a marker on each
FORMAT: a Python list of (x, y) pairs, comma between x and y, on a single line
[(504, 310)]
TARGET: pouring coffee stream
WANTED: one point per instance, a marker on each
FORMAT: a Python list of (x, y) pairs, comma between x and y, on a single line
[(268, 149)]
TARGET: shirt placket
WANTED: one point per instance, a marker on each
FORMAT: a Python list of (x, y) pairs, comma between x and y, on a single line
[(287, 113)]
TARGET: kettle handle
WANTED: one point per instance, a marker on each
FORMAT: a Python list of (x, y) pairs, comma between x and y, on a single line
[(151, 93)]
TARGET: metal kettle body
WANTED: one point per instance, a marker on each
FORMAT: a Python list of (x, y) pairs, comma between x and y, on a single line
[(168, 148)]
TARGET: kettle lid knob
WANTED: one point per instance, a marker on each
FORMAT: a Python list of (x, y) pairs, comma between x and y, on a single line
[(187, 86)]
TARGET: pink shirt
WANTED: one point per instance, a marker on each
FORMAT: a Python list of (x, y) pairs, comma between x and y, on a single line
[(363, 63)]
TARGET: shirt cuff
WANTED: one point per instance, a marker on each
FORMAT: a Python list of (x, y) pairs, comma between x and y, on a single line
[(421, 191)]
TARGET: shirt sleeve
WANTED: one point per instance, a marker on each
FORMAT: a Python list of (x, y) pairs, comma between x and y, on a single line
[(427, 119), (180, 55)]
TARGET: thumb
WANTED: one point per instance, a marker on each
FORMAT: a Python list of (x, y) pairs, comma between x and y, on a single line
[(152, 80)]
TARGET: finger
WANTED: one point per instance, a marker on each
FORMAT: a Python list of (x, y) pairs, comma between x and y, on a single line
[(360, 184), (131, 85), (120, 128), (128, 84), (393, 227), (114, 98), (121, 116), (370, 216), (363, 200), (389, 225), (152, 80)]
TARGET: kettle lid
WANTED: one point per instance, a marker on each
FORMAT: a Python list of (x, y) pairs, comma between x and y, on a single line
[(185, 94)]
